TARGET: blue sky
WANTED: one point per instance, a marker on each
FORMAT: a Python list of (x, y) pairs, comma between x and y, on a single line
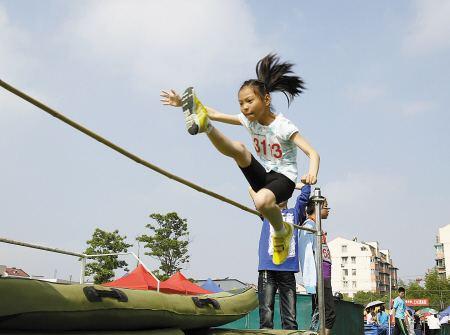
[(375, 109)]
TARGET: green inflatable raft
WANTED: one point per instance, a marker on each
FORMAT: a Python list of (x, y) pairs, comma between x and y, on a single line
[(37, 305)]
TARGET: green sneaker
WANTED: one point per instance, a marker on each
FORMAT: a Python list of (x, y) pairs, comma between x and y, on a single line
[(195, 113), (281, 245)]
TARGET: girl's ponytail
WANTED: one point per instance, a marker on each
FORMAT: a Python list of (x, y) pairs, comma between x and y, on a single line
[(275, 77)]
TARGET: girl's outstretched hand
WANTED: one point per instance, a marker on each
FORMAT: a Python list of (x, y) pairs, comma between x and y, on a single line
[(308, 179), (170, 98)]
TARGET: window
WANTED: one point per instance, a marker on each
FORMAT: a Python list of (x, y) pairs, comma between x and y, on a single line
[(344, 248), (353, 260), (353, 272), (345, 283), (344, 260), (363, 248), (345, 272), (353, 284)]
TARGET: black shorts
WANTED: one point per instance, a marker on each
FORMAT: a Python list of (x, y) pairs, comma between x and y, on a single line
[(278, 183)]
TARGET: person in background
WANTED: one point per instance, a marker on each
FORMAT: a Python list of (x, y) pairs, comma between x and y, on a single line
[(399, 310), (307, 247), (416, 321), (382, 320), (273, 277), (369, 317), (433, 324)]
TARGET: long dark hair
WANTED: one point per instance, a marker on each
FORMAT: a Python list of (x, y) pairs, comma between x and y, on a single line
[(274, 76)]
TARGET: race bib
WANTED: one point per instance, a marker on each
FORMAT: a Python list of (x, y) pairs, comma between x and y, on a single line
[(267, 150), (326, 256)]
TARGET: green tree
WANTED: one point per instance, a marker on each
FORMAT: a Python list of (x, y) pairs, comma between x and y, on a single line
[(438, 290), (363, 298), (168, 243), (103, 242), (414, 291)]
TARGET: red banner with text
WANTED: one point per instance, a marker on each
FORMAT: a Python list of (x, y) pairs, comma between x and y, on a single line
[(417, 302)]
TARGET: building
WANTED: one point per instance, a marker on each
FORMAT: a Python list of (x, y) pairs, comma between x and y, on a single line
[(360, 266), (12, 272), (442, 248)]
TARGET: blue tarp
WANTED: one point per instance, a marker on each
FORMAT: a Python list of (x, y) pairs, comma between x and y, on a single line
[(445, 311), (211, 286)]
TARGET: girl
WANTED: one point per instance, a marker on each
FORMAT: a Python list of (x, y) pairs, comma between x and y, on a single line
[(275, 139)]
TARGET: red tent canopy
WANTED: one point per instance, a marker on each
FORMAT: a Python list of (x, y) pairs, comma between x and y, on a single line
[(179, 284), (138, 279)]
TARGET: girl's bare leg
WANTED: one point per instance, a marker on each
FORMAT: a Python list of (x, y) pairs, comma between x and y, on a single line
[(230, 148), (264, 199), (265, 203)]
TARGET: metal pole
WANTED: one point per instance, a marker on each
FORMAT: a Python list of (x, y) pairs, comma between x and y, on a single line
[(82, 257), (59, 251), (390, 297), (40, 247), (318, 201), (83, 270)]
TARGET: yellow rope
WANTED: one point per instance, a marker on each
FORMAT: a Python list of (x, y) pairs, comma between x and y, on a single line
[(129, 154)]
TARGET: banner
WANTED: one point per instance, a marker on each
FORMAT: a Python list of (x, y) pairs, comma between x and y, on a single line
[(417, 302)]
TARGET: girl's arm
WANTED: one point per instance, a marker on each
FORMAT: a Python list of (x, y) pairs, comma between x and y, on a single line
[(314, 159), (171, 98), (221, 117)]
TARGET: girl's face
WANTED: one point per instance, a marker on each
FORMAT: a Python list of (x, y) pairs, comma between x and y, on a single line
[(252, 106)]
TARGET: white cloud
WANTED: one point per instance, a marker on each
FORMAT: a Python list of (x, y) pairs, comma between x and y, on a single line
[(362, 191), (367, 206), (430, 29), (417, 107), (364, 94), (15, 66), (14, 58), (384, 208), (166, 41)]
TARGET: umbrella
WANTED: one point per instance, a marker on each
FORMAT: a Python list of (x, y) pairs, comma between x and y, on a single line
[(444, 320), (426, 311), (445, 312), (374, 303)]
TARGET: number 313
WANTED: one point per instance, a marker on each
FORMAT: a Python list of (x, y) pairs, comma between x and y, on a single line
[(275, 149)]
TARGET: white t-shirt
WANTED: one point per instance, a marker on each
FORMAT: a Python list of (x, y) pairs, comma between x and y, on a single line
[(433, 322), (273, 145)]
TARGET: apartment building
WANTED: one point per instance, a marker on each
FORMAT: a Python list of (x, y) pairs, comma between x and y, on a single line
[(442, 248), (360, 266)]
